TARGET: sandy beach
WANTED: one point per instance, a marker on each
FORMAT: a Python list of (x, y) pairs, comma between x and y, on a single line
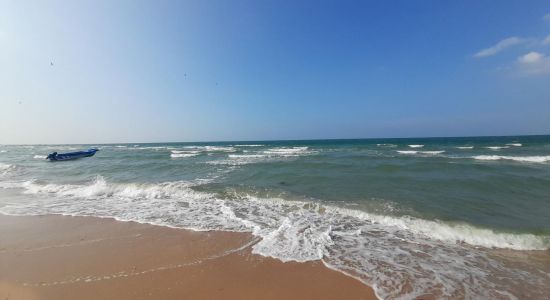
[(58, 257)]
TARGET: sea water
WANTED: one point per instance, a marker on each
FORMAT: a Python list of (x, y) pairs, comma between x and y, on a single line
[(451, 217)]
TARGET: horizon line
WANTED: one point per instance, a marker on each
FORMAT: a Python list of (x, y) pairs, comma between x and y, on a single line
[(288, 140)]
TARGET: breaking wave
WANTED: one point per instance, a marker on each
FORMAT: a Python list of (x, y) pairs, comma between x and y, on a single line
[(387, 252), (183, 155), (416, 146), (270, 155), (211, 148), (288, 151), (531, 159), (420, 152), (6, 168)]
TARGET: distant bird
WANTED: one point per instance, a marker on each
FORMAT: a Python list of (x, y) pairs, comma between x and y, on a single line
[(51, 63)]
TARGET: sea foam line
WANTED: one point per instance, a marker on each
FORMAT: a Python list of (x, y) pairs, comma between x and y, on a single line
[(420, 152), (100, 189), (388, 252), (497, 147), (531, 159)]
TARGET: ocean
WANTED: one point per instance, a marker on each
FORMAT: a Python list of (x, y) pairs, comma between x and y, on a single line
[(451, 217)]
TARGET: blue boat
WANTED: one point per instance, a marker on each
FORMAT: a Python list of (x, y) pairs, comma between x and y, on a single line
[(71, 155)]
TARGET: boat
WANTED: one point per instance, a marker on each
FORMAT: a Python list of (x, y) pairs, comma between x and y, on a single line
[(71, 155)]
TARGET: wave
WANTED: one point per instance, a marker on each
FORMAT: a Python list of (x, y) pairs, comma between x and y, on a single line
[(212, 148), (416, 146), (185, 151), (420, 152), (39, 157), (288, 151), (532, 159), (465, 147), (100, 188), (183, 155), (497, 147), (6, 168), (514, 144), (3, 151), (270, 155), (156, 148), (246, 145), (242, 159), (387, 252), (386, 145), (247, 156)]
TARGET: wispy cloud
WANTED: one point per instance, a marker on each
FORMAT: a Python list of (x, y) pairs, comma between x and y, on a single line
[(534, 63), (498, 47)]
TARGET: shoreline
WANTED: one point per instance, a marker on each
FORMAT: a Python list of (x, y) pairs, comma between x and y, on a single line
[(57, 257)]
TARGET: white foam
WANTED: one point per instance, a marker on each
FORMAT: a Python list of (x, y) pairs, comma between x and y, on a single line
[(270, 155), (242, 159), (288, 151), (514, 144), (497, 147), (420, 152), (156, 148), (391, 253), (183, 155), (386, 145), (6, 168), (407, 151), (185, 151), (3, 151), (416, 146), (532, 159), (212, 148), (245, 156), (245, 145), (465, 147), (39, 157)]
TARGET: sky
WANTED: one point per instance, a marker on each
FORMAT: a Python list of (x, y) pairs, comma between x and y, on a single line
[(169, 71)]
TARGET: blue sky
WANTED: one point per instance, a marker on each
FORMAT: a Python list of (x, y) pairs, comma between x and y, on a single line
[(152, 71)]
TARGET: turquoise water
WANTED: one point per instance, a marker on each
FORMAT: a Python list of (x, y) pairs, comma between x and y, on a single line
[(453, 217)]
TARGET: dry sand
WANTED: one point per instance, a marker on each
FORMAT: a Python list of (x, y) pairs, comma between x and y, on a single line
[(56, 257)]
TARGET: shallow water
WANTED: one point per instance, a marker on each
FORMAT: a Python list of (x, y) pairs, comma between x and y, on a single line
[(452, 217)]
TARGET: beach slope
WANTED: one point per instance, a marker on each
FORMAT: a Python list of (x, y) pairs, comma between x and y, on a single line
[(59, 257)]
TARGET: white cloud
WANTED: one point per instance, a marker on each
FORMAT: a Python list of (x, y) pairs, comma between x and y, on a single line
[(505, 43), (534, 63), (546, 41), (531, 57), (546, 18)]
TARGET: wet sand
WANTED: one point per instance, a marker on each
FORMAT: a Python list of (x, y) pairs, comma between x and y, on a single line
[(57, 257)]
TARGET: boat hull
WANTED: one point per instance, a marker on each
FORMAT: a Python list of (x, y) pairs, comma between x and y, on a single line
[(71, 155)]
